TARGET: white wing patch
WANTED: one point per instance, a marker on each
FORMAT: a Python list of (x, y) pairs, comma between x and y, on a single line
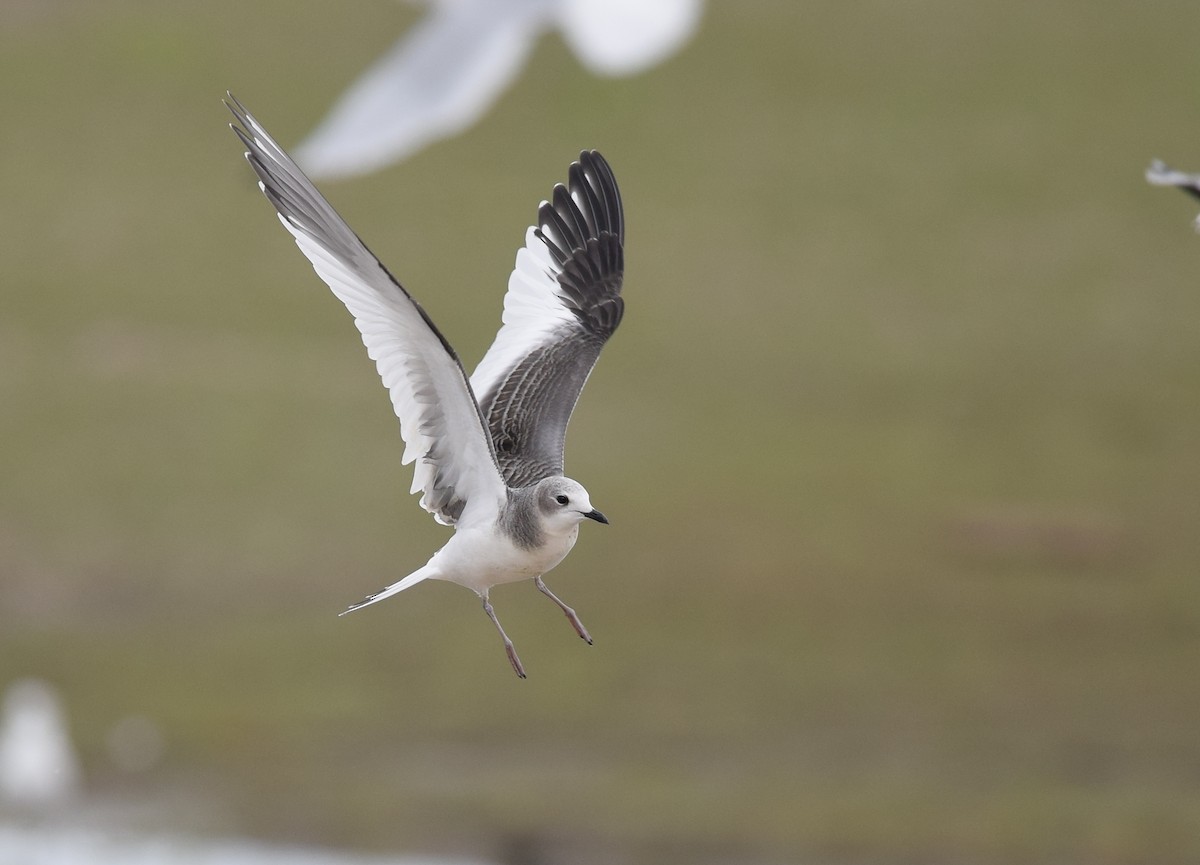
[(533, 311)]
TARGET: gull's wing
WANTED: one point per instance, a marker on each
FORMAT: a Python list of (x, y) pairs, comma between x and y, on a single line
[(438, 80), (563, 303), (439, 419), (624, 37), (1161, 174)]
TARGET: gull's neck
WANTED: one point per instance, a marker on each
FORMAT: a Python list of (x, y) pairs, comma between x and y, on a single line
[(520, 520)]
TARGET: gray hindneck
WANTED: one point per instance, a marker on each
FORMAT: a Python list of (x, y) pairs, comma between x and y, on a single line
[(519, 521)]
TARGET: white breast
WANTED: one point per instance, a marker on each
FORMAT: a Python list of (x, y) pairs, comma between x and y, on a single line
[(480, 558)]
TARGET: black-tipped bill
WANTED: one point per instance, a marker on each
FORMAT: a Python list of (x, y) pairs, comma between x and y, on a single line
[(594, 514)]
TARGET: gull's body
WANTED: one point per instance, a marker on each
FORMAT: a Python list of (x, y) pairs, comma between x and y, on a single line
[(489, 449), (482, 555)]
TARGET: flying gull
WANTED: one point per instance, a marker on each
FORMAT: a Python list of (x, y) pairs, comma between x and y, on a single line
[(489, 449), (453, 64), (1161, 174)]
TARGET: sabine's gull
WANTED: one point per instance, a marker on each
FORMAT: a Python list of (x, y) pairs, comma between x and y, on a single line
[(489, 449), (453, 64), (1160, 174)]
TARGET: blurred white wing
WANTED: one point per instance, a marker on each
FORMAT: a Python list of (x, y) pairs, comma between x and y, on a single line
[(1160, 174), (439, 418), (435, 82), (623, 37), (445, 73)]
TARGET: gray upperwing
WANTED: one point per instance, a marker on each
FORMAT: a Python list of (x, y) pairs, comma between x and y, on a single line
[(528, 409)]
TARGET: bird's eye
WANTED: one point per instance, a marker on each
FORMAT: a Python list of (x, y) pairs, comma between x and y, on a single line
[(562, 500)]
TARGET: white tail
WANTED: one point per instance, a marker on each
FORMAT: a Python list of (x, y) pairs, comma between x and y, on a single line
[(411, 580)]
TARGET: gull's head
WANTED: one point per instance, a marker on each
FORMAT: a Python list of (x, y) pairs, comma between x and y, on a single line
[(565, 503)]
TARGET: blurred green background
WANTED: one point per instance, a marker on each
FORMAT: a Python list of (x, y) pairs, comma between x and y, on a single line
[(900, 440)]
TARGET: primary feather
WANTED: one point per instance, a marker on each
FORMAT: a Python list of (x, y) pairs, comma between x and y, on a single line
[(563, 303), (429, 389)]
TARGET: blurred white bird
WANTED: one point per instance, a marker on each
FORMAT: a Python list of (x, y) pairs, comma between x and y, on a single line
[(445, 73), (38, 766), (1161, 174)]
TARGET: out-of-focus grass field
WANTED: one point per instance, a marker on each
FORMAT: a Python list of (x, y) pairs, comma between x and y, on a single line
[(900, 439)]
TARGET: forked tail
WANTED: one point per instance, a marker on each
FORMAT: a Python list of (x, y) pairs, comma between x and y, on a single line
[(411, 580)]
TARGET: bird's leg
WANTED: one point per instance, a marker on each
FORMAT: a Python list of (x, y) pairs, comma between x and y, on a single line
[(509, 649), (570, 614)]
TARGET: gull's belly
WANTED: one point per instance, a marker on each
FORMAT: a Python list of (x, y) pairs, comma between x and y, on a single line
[(481, 558)]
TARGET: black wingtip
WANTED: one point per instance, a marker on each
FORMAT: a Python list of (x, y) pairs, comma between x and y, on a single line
[(587, 206), (598, 177)]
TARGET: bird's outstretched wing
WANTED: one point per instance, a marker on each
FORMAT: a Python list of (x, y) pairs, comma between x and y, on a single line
[(439, 420), (440, 78), (1160, 174), (624, 37), (563, 303)]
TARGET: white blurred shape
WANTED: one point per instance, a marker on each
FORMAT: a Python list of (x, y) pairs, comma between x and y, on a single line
[(445, 73), (624, 37), (434, 83), (38, 766), (47, 845), (1161, 174), (135, 743)]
